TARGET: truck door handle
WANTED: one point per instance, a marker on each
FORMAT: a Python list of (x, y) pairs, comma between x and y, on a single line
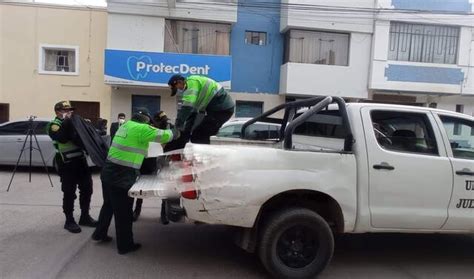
[(384, 166), (465, 172)]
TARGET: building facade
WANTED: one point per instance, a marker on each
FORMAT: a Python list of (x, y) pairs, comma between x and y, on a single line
[(392, 51), (50, 53), (240, 47), (265, 52), (424, 57)]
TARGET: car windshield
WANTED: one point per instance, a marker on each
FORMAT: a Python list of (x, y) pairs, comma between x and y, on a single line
[(257, 131)]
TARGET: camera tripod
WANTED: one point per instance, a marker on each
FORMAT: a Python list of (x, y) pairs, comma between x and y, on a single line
[(29, 137)]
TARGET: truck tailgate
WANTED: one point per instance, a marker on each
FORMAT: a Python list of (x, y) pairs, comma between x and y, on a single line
[(148, 186)]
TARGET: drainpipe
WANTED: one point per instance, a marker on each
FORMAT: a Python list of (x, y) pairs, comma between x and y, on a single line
[(372, 50)]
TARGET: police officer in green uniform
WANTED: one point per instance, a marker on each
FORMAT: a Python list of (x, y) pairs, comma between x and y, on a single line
[(72, 167), (200, 95), (126, 154)]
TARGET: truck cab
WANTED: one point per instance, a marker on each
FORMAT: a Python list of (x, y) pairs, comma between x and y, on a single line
[(335, 168)]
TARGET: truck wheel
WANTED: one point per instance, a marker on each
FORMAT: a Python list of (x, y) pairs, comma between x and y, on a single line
[(296, 243)]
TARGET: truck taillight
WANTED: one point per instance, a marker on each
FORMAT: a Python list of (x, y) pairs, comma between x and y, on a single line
[(175, 157), (190, 194), (186, 178), (187, 169)]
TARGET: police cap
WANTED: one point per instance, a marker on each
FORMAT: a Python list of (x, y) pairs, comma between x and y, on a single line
[(63, 105)]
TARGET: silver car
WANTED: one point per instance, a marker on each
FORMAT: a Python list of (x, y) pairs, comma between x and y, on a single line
[(12, 138), (256, 131)]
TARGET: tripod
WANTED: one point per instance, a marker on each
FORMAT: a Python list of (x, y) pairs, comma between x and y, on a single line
[(29, 136)]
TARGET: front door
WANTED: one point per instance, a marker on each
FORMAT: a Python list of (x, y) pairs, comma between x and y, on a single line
[(88, 110), (460, 145), (410, 176), (4, 112)]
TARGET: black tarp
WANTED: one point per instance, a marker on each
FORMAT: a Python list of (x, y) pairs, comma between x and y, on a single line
[(88, 138)]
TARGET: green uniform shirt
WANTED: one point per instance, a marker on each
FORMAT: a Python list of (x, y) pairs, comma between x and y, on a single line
[(201, 94), (61, 140), (130, 144)]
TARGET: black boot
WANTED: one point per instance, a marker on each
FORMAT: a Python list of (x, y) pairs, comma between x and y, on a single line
[(87, 220), (132, 248), (164, 212), (138, 209), (105, 238), (71, 224)]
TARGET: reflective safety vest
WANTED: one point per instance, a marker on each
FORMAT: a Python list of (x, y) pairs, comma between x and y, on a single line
[(130, 144), (199, 92), (67, 150)]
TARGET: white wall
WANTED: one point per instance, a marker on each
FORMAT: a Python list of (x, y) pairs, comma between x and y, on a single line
[(269, 100), (122, 100), (450, 102), (380, 62), (186, 9), (342, 81), (134, 32), (313, 18)]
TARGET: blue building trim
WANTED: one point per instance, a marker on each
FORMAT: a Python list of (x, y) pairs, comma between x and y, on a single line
[(406, 73), (256, 69), (433, 5)]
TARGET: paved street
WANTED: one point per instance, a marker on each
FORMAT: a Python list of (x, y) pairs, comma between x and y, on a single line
[(33, 244)]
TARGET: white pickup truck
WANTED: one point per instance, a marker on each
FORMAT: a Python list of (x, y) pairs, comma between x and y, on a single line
[(340, 168)]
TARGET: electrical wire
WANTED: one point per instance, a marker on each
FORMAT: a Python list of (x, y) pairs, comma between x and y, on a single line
[(333, 14)]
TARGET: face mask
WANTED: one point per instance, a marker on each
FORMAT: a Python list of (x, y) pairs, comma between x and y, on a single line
[(179, 91), (66, 114), (121, 121)]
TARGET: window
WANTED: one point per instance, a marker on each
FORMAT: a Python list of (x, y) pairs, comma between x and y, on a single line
[(423, 43), (257, 131), (462, 144), (40, 127), (317, 47), (21, 128), (326, 123), (457, 127), (197, 37), (323, 131), (151, 103), (61, 60), (16, 128), (248, 109), (404, 132), (255, 38), (231, 131)]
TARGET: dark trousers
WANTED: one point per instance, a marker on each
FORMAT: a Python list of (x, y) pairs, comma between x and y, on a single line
[(75, 174), (116, 181), (208, 127)]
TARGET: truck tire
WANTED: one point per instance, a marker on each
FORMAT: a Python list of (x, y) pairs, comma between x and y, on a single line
[(296, 243)]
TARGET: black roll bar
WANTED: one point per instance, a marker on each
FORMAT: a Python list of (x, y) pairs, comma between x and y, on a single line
[(317, 104), (287, 106)]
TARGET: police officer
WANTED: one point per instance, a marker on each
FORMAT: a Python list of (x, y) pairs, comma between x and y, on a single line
[(127, 152), (162, 121), (199, 95), (72, 167)]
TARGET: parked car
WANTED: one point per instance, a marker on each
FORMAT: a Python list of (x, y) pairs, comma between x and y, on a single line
[(358, 168), (257, 131), (12, 138)]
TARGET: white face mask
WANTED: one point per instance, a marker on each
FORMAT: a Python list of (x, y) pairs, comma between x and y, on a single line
[(179, 92), (66, 114), (121, 121)]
